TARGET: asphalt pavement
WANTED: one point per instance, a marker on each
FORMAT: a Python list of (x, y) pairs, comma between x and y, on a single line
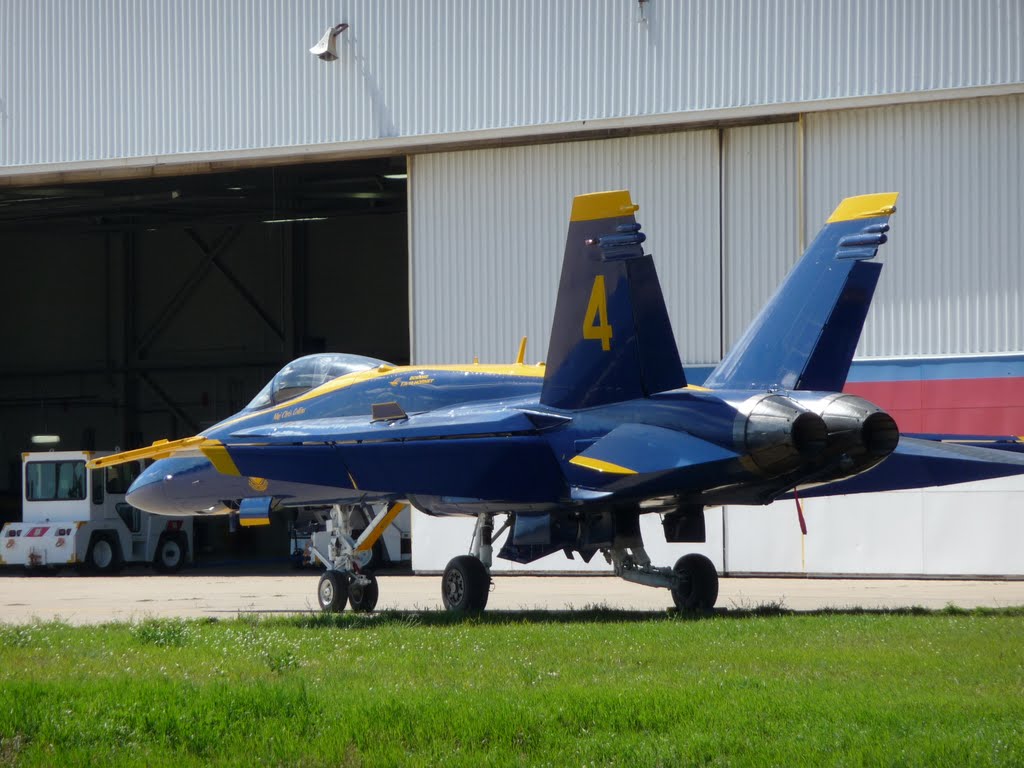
[(80, 599)]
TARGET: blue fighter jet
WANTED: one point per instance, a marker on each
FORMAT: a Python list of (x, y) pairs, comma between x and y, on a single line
[(573, 451)]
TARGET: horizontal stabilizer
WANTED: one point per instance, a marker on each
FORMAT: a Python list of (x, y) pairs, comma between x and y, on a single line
[(638, 449), (920, 463)]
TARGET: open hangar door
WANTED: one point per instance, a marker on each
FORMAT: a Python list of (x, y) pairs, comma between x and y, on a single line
[(144, 309)]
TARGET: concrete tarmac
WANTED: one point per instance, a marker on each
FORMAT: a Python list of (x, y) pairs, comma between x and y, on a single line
[(80, 599)]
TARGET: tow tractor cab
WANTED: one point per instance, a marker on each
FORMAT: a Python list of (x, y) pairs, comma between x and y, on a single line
[(74, 517)]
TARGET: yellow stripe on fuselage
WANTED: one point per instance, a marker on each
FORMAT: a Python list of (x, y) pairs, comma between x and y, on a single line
[(601, 466), (602, 205), (352, 379), (864, 207)]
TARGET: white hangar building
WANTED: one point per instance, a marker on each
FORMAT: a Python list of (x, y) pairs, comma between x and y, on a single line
[(188, 199)]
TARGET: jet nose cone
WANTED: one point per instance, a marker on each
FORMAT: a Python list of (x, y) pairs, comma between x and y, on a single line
[(148, 493), (178, 486)]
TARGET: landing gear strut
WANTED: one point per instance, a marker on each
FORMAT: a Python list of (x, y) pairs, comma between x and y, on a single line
[(693, 580), (345, 579), (466, 583)]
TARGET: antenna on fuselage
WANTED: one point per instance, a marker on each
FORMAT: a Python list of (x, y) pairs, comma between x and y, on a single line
[(521, 357)]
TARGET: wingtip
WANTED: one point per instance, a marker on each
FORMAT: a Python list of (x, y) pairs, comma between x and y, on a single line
[(865, 207)]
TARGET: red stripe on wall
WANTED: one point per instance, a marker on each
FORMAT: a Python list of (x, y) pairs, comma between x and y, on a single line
[(964, 406)]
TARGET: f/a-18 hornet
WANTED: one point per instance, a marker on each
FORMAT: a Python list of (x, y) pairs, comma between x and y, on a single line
[(570, 453)]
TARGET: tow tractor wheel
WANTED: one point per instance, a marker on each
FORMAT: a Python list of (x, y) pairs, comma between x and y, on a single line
[(103, 557), (698, 583), (170, 555), (465, 585), (363, 597), (333, 591)]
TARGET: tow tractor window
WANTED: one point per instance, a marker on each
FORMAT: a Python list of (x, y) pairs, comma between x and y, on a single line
[(306, 373), (54, 480), (121, 476)]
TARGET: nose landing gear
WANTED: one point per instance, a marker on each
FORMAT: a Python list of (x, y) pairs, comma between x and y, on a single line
[(345, 581)]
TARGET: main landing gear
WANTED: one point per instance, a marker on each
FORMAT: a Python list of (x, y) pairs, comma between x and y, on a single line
[(693, 581), (346, 580), (466, 583)]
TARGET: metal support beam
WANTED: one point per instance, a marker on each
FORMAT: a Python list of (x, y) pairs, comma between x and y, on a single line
[(299, 285), (131, 434), (172, 308), (244, 292), (171, 405)]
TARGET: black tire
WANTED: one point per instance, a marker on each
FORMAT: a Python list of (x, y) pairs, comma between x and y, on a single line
[(332, 592), (379, 559), (170, 554), (465, 585), (104, 555), (363, 597), (698, 583)]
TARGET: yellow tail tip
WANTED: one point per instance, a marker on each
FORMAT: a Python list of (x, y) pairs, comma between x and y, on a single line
[(865, 207), (602, 205)]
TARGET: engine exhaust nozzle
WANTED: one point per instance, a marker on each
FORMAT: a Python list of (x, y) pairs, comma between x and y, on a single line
[(778, 434)]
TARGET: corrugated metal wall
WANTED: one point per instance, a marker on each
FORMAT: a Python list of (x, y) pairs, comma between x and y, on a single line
[(488, 233), (489, 226), (759, 219), (101, 80), (954, 276)]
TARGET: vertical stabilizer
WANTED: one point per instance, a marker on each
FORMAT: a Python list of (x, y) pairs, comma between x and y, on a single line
[(611, 339), (806, 335)]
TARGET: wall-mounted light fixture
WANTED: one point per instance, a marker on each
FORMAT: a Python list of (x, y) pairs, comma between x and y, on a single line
[(45, 439), (327, 48)]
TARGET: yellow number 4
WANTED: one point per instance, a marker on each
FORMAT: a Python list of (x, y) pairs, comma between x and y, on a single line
[(595, 324)]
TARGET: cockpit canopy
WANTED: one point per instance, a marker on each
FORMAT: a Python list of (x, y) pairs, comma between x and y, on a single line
[(306, 373)]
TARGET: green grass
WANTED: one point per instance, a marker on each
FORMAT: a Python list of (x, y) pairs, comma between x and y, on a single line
[(593, 687)]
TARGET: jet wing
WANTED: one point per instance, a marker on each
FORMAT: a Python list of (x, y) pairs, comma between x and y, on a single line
[(994, 442), (918, 463)]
